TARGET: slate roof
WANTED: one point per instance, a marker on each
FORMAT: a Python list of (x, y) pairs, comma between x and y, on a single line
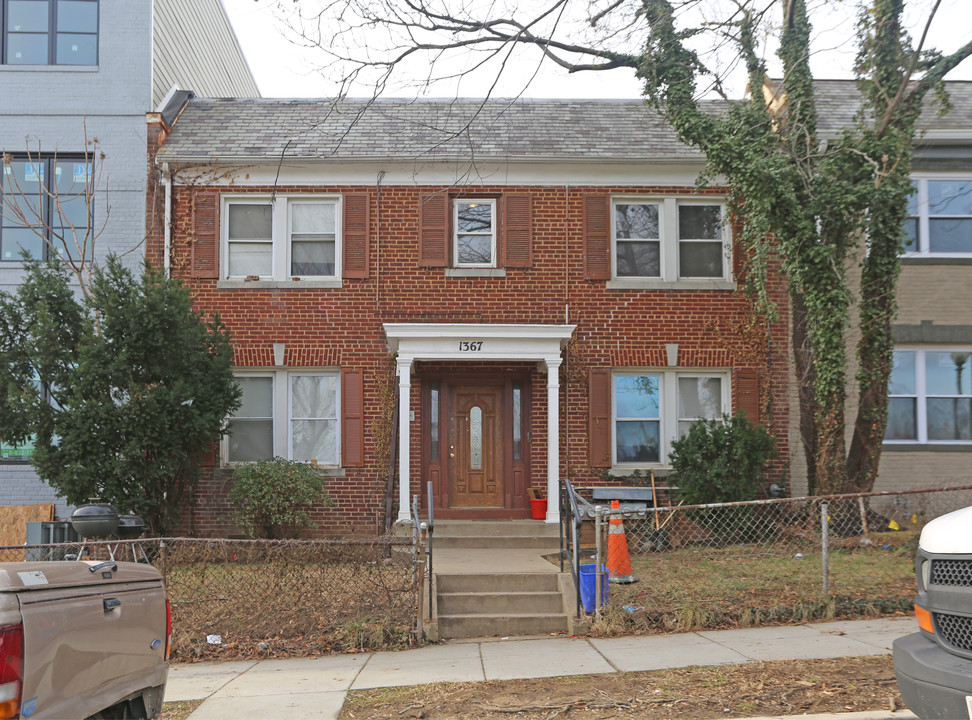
[(255, 129), (428, 130), (838, 101)]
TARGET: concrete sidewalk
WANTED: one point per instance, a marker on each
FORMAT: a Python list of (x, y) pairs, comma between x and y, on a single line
[(316, 687)]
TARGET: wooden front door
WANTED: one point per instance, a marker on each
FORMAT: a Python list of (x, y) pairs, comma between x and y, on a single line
[(476, 477)]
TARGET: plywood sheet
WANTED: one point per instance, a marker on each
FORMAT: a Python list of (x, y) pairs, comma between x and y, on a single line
[(13, 519)]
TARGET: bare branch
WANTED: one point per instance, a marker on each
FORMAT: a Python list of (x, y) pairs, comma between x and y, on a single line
[(52, 213)]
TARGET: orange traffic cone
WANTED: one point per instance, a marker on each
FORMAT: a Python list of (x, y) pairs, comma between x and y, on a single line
[(618, 560)]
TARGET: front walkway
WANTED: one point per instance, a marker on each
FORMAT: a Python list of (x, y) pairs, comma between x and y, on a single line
[(316, 687), (447, 561)]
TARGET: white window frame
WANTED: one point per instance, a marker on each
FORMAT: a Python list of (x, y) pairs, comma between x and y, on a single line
[(669, 240), (921, 200), (283, 406), (455, 231), (280, 230), (663, 222), (668, 410), (921, 394), (293, 375)]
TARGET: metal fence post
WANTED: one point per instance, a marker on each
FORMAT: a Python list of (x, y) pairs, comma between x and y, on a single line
[(597, 560), (825, 547), (420, 584)]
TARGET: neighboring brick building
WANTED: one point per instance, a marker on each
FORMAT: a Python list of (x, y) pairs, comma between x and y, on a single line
[(540, 280)]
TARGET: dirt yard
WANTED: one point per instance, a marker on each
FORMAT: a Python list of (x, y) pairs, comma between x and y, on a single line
[(697, 693)]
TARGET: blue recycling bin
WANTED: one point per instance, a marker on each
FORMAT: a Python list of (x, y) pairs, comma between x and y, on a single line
[(588, 586)]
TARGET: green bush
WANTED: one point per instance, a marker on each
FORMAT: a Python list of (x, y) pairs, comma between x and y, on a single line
[(721, 461), (273, 497)]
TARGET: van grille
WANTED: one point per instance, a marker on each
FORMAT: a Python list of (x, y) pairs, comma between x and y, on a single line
[(951, 572), (955, 630)]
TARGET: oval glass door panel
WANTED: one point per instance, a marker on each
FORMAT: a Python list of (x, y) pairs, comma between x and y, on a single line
[(476, 438)]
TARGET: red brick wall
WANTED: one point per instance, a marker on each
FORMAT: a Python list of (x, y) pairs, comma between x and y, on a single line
[(343, 327)]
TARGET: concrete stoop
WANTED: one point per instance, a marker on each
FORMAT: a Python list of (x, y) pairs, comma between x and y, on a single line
[(502, 596), (478, 605)]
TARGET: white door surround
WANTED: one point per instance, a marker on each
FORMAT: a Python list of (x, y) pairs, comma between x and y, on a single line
[(479, 343)]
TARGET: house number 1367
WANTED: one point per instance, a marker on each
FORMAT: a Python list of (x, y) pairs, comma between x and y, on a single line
[(470, 346)]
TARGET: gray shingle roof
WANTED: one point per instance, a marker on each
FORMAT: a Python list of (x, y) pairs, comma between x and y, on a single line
[(838, 101), (253, 129)]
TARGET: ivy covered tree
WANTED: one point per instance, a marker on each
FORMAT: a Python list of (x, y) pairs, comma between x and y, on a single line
[(811, 203), (123, 390), (807, 202)]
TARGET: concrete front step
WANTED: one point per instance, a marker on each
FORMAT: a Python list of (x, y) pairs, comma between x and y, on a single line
[(500, 603), (495, 582), (496, 542), (462, 626), (495, 528), (497, 603)]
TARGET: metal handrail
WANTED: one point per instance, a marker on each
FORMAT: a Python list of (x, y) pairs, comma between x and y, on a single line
[(428, 496), (571, 519), (418, 526)]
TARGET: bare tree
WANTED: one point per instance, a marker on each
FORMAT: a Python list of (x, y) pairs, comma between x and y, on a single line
[(56, 205), (807, 200)]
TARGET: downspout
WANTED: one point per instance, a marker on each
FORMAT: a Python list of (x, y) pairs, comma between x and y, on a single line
[(167, 219)]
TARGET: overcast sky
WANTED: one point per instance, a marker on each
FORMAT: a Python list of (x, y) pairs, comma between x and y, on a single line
[(283, 69)]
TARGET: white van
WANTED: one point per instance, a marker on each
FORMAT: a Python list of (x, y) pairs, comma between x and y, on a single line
[(934, 665)]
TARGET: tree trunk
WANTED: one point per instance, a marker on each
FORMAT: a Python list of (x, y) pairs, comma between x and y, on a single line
[(827, 302), (875, 349), (806, 379)]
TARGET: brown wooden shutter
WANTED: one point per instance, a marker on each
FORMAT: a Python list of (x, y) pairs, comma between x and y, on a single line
[(597, 237), (357, 216), (205, 229), (599, 409), (434, 230), (518, 228), (352, 418), (747, 392)]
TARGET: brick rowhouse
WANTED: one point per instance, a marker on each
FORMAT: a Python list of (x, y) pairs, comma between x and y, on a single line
[(550, 267)]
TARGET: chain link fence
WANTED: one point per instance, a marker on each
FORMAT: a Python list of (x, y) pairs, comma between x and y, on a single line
[(739, 564), (250, 598)]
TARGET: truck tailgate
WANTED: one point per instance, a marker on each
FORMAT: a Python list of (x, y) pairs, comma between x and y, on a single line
[(91, 638)]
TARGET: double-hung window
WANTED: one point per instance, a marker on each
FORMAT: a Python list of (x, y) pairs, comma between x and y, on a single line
[(286, 413), (701, 247), (651, 408), (49, 32), (637, 239), (45, 208), (474, 239), (930, 396), (940, 217), (475, 236), (281, 238), (668, 239)]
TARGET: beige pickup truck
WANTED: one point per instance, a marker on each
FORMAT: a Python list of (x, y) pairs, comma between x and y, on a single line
[(82, 640)]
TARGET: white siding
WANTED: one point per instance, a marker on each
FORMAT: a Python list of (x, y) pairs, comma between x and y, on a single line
[(196, 49)]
